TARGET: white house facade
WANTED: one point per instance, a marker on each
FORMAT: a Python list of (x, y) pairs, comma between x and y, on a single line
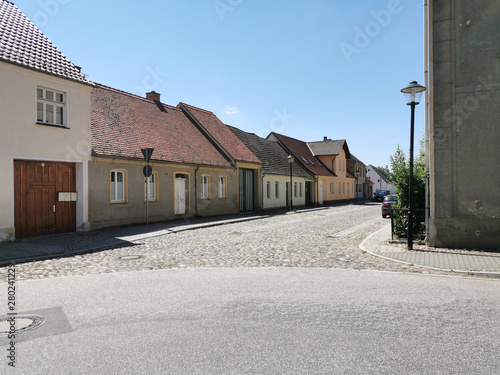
[(45, 123)]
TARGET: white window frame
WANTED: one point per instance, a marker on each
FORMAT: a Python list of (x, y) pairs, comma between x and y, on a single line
[(295, 189), (222, 187), (205, 183), (268, 189), (153, 179), (277, 189), (300, 189), (117, 187), (46, 105), (332, 187)]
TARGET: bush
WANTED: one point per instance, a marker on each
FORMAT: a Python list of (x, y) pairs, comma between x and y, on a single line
[(400, 176)]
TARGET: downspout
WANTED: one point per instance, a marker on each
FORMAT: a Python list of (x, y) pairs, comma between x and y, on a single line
[(316, 190), (262, 174), (428, 96), (196, 191)]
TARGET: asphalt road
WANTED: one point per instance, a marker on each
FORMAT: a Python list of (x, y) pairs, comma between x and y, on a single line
[(258, 321)]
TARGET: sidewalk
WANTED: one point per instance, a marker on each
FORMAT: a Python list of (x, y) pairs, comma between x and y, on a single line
[(459, 261)]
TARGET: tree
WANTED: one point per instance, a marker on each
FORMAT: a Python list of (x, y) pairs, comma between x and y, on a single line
[(385, 171), (400, 176)]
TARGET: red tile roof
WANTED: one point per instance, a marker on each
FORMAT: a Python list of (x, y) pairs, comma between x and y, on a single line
[(221, 134), (303, 155), (123, 123)]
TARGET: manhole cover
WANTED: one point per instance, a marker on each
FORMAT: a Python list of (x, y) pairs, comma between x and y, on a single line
[(23, 323), (130, 257)]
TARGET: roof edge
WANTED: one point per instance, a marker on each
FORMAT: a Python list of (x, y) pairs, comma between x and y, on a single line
[(83, 82)]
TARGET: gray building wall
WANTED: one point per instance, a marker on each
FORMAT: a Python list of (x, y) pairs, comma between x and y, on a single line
[(464, 127), (104, 213)]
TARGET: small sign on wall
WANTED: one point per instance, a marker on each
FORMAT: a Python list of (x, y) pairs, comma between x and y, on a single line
[(67, 196)]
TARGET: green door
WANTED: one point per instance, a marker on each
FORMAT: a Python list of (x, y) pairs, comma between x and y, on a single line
[(246, 190), (308, 193)]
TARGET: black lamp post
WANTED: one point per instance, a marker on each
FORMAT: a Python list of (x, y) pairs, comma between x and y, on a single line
[(413, 93), (291, 159)]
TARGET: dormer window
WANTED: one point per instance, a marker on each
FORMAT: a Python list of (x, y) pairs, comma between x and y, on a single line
[(50, 107)]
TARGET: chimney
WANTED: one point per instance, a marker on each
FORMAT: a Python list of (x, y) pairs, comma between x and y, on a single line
[(325, 138), (154, 96)]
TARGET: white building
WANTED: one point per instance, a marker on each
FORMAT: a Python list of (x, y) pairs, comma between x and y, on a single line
[(45, 125), (380, 181)]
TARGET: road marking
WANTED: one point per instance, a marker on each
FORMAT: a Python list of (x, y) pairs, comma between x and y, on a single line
[(354, 229)]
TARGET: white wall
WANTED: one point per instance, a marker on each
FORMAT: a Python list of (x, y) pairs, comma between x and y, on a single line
[(280, 200), (22, 138), (378, 182)]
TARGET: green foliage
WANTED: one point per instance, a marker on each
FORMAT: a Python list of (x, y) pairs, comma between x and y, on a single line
[(400, 176), (385, 171)]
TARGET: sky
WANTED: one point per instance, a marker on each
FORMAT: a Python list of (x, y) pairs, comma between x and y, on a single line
[(305, 69)]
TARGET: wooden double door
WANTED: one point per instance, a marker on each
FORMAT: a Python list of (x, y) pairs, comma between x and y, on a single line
[(41, 202)]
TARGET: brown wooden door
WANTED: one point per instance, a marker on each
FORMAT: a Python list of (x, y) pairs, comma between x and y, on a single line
[(36, 186)]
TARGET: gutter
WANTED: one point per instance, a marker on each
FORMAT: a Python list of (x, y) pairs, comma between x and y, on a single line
[(86, 82)]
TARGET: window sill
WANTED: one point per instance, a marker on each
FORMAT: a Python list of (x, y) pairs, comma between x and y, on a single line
[(52, 125), (118, 203)]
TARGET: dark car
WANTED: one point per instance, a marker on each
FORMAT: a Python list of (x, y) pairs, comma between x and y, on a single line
[(380, 194), (387, 203)]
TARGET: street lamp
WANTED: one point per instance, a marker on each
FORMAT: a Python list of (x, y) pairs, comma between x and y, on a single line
[(413, 92), (291, 159)]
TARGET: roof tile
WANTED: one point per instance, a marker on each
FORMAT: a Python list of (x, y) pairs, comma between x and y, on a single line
[(274, 157), (123, 124), (22, 43), (221, 134), (303, 155)]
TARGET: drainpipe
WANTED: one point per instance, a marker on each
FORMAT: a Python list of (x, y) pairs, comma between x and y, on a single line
[(316, 190), (262, 174), (428, 95), (196, 191)]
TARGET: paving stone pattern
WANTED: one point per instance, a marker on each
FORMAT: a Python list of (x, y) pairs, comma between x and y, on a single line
[(326, 238)]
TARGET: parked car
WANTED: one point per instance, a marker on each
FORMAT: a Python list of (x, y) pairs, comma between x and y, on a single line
[(387, 203), (380, 194)]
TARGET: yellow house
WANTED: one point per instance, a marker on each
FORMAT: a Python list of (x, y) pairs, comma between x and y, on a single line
[(334, 154)]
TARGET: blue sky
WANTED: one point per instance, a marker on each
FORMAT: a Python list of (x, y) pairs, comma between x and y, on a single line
[(306, 69)]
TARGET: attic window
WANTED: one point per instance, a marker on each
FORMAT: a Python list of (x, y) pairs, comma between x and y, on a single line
[(303, 158), (310, 161)]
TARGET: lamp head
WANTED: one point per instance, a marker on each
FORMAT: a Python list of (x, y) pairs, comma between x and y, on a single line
[(413, 93)]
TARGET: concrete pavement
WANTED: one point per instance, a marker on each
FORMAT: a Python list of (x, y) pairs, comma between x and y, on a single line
[(452, 260), (377, 244)]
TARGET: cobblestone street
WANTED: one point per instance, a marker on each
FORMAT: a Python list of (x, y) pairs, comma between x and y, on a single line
[(327, 238)]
